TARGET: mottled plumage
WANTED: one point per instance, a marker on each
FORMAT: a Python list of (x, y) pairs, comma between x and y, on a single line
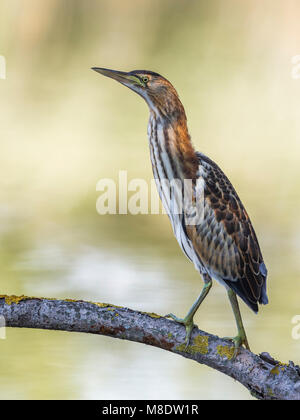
[(222, 243), (226, 241)]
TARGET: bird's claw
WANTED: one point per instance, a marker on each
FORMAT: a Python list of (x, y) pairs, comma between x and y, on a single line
[(238, 342), (189, 325)]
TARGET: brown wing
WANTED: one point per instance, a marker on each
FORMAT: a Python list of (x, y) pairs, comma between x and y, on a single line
[(225, 240)]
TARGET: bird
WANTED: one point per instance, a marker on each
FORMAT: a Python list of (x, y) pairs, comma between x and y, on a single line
[(220, 241)]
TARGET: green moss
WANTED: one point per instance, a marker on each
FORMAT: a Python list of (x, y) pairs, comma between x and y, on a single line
[(282, 366), (225, 351), (200, 346), (109, 307), (104, 305), (275, 370), (152, 314), (14, 299)]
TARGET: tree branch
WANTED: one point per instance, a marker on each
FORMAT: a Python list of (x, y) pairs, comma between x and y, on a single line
[(265, 377)]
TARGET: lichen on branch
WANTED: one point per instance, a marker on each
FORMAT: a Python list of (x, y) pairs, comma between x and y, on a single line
[(263, 376)]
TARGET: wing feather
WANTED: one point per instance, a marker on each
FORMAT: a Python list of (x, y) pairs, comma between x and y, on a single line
[(225, 240)]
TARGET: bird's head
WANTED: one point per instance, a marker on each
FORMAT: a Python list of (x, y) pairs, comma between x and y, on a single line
[(157, 91)]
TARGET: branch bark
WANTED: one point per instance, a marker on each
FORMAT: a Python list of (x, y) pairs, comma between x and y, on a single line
[(264, 377)]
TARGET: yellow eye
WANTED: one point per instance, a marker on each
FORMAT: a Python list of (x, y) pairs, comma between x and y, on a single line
[(145, 79)]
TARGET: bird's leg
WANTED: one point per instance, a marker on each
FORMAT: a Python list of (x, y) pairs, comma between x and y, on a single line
[(241, 337), (188, 321)]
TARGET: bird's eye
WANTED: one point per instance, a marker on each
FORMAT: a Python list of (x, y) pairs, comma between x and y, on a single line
[(145, 79)]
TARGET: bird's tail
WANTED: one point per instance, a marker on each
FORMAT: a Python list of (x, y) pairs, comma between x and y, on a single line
[(263, 298)]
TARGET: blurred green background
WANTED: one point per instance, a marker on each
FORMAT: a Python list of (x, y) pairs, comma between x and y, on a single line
[(63, 127)]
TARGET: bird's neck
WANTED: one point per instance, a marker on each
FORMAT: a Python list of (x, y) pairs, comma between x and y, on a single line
[(171, 147)]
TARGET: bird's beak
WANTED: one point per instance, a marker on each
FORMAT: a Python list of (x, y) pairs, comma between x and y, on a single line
[(126, 79)]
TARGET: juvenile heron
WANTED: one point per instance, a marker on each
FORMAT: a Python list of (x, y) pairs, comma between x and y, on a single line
[(222, 244)]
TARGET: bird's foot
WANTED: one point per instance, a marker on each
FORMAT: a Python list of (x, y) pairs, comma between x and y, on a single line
[(188, 323), (238, 342)]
